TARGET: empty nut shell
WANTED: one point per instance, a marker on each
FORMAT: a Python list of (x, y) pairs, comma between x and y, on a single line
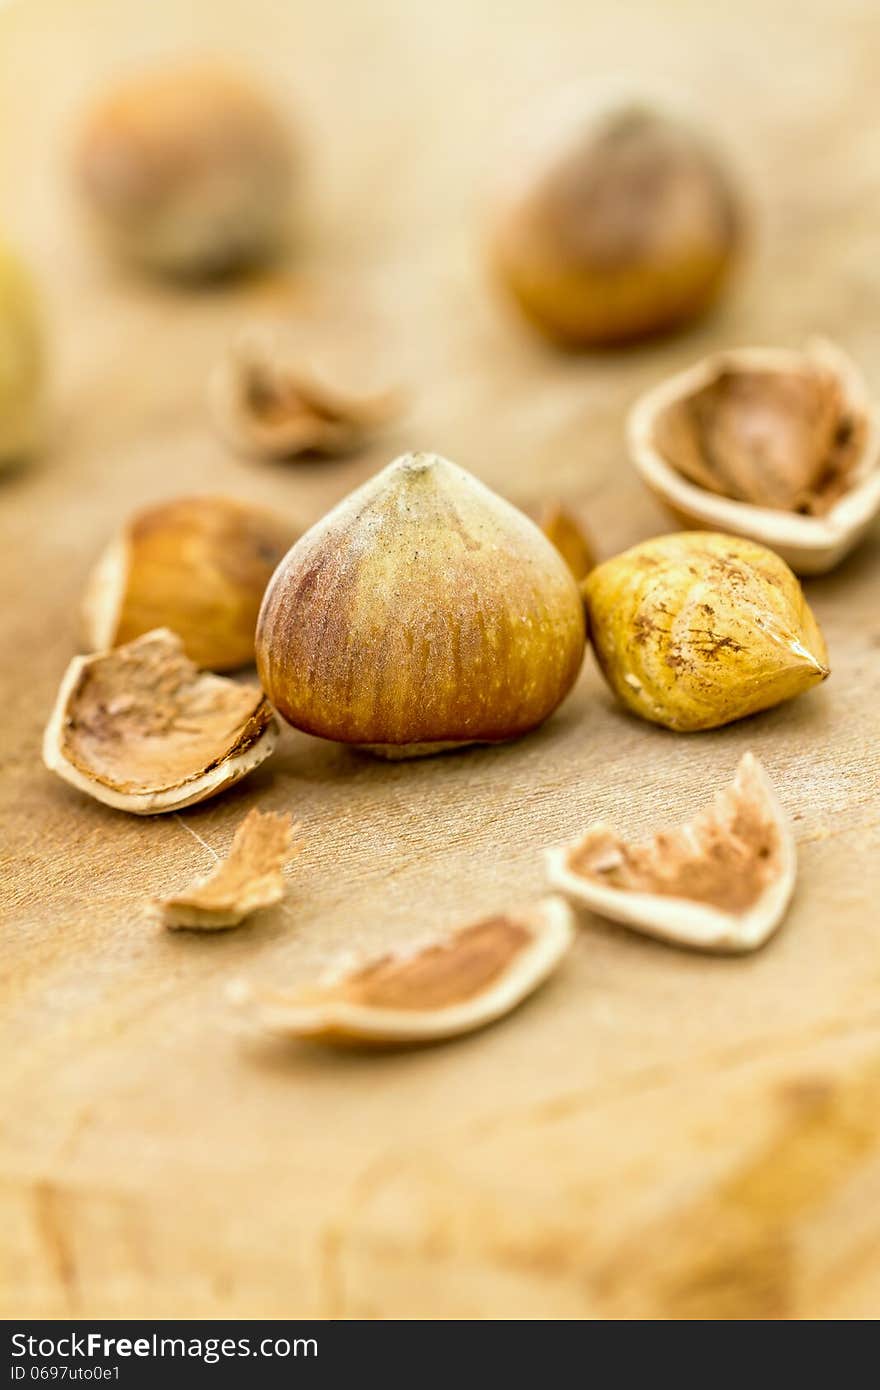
[(627, 226), (197, 565), (188, 171), (422, 612), (779, 446), (140, 729), (694, 630)]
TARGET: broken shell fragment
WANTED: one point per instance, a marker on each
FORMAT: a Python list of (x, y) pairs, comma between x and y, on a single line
[(250, 877), (271, 405), (721, 882), (624, 224), (141, 729), (567, 534), (188, 171), (197, 565), (694, 630), (458, 984), (782, 447), (423, 612)]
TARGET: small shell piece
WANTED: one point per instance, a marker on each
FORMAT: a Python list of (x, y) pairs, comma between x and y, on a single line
[(782, 447), (722, 882), (694, 630), (198, 565), (250, 877), (140, 728), (471, 978), (187, 170), (567, 534), (271, 405), (22, 364)]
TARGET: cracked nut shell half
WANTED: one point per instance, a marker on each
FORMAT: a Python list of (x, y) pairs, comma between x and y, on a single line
[(141, 729), (187, 170), (721, 882), (464, 981), (198, 565), (623, 225), (423, 612), (694, 630), (782, 447)]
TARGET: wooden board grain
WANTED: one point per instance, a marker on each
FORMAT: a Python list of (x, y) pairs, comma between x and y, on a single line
[(654, 1134)]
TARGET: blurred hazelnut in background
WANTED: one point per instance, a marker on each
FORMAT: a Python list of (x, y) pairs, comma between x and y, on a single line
[(622, 225), (188, 171), (22, 361)]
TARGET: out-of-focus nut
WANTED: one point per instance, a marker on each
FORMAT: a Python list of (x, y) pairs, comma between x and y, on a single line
[(694, 630), (140, 729), (22, 362), (625, 225), (198, 565), (463, 982), (272, 405), (782, 447), (721, 882), (423, 612), (565, 531), (249, 878), (188, 170)]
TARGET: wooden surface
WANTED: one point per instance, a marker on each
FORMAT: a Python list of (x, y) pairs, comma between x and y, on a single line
[(654, 1134)]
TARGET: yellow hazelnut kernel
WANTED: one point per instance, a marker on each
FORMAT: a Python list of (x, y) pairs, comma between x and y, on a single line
[(423, 612), (22, 361), (627, 227), (694, 630), (196, 565), (188, 170)]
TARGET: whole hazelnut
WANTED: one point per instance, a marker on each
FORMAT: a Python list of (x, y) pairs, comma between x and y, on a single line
[(628, 226), (22, 361), (188, 171), (422, 613)]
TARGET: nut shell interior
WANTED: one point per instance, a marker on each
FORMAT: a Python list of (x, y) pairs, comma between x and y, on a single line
[(721, 882), (624, 224), (197, 565), (458, 984), (779, 446), (141, 729), (250, 877), (694, 630), (423, 610)]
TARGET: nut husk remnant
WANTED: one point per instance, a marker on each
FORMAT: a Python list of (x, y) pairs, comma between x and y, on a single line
[(627, 226), (466, 980), (140, 728), (779, 446), (270, 404), (198, 565), (249, 878), (422, 612), (722, 882), (22, 362), (694, 630), (187, 170)]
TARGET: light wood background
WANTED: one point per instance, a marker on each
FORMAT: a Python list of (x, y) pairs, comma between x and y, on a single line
[(655, 1134)]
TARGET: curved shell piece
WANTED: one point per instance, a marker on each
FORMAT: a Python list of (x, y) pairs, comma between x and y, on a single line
[(778, 446), (721, 882), (623, 224), (694, 630), (422, 611), (197, 565), (271, 405), (466, 980), (250, 877), (142, 730)]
